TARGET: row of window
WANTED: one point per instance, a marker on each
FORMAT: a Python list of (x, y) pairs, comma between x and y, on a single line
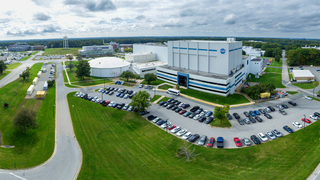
[(164, 78), (148, 70), (238, 75)]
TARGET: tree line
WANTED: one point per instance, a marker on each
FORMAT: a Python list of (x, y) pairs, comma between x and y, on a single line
[(301, 56)]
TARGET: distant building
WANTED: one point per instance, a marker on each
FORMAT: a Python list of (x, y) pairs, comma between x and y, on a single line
[(19, 47), (37, 48), (250, 51), (256, 66), (303, 75), (114, 45), (96, 51), (310, 47)]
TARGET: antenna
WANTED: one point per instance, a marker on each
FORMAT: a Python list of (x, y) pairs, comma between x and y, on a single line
[(65, 40)]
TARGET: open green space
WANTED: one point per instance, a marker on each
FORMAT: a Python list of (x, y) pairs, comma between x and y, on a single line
[(318, 92), (36, 146), (276, 64), (225, 123), (60, 51), (164, 99), (231, 99), (34, 52), (122, 145), (308, 85), (273, 76), (13, 65), (156, 82), (292, 92), (165, 87), (25, 58), (155, 97), (4, 74)]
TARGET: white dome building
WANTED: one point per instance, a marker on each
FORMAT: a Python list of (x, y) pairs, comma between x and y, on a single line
[(108, 67)]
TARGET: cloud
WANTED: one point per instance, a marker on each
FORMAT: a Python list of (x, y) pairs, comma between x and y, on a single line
[(71, 2), (4, 21), (140, 17), (229, 19), (42, 2), (41, 17), (103, 22), (172, 24), (34, 31), (93, 5), (116, 19)]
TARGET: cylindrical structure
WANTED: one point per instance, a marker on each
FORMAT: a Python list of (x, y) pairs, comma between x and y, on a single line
[(108, 67)]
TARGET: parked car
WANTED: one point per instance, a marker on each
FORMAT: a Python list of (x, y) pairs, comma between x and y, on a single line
[(284, 106), (182, 132), (202, 140), (280, 107), (292, 103), (237, 142), (196, 117), (255, 139), (141, 86), (208, 120), (176, 129), (256, 112), (144, 112), (201, 119), (182, 111), (251, 113), (252, 119), (236, 115), (270, 135), (267, 110), (246, 141), (263, 137), (220, 142), (309, 98), (162, 103), (271, 108), (186, 113), (187, 135), (178, 110), (314, 117), (241, 122), (276, 133), (258, 119), (192, 115), (118, 94), (268, 116), (246, 113), (282, 112), (194, 137), (288, 129), (194, 109), (170, 126), (246, 120), (130, 108), (261, 111), (306, 120), (111, 93), (210, 142), (209, 113), (126, 96), (164, 126), (229, 116), (297, 124), (151, 117), (317, 114)]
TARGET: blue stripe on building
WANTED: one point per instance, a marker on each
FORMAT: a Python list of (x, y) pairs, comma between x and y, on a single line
[(192, 48), (202, 49), (173, 78), (208, 86), (213, 50)]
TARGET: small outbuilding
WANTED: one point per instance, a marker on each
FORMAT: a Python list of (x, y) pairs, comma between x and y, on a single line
[(40, 94), (108, 67), (303, 75)]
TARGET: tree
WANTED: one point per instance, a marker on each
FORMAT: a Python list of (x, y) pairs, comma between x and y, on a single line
[(220, 112), (128, 50), (177, 87), (187, 152), (79, 57), (270, 87), (51, 82), (243, 52), (25, 119), (277, 58), (140, 101), (150, 77), (25, 74), (127, 75), (83, 69), (3, 66), (70, 66)]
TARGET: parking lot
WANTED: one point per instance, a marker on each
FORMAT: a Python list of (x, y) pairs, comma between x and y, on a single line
[(294, 113)]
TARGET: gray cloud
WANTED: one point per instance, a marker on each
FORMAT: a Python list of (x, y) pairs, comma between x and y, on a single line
[(41, 17), (42, 2), (93, 5), (140, 17), (116, 19), (29, 32), (103, 22), (71, 2), (229, 19), (172, 25), (4, 21)]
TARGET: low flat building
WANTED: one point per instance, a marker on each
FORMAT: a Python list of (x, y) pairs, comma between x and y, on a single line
[(96, 51), (303, 75), (256, 66)]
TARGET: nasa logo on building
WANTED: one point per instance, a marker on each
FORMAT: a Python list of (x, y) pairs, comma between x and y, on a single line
[(222, 51)]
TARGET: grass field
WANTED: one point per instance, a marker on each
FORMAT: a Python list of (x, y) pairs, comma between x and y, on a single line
[(155, 97), (13, 65), (165, 87), (4, 74), (34, 52), (273, 75), (231, 99), (122, 145), (276, 64), (217, 123), (25, 58), (164, 99), (36, 146), (156, 82), (60, 51), (292, 92), (308, 85)]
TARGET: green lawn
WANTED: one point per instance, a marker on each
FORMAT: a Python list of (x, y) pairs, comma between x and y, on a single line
[(217, 123), (308, 85), (13, 65), (276, 64), (314, 98), (165, 87), (25, 58), (4, 74), (318, 92), (155, 97), (34, 52), (273, 75), (231, 99), (292, 92), (36, 146), (122, 145), (60, 51), (164, 99), (156, 82)]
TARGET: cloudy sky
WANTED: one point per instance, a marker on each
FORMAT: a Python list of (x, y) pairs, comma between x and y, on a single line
[(38, 19)]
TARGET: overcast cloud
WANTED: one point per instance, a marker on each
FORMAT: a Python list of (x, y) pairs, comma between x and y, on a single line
[(37, 19)]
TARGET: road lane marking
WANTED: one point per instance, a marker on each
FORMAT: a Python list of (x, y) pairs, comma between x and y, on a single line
[(17, 176)]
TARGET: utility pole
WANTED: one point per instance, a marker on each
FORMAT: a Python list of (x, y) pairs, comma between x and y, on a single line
[(304, 122)]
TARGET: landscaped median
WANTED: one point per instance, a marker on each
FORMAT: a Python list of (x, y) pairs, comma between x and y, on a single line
[(307, 85), (119, 144), (274, 75), (36, 146)]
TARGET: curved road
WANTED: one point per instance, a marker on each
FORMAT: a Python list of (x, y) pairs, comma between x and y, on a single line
[(66, 160)]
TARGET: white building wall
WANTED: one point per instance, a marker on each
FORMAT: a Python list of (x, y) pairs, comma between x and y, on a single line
[(161, 51), (256, 67), (108, 72)]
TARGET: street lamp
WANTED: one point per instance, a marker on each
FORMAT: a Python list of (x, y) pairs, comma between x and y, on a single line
[(304, 122)]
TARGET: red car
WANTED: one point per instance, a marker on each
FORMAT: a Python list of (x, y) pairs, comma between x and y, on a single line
[(306, 120), (182, 111), (105, 103), (238, 142), (210, 142), (171, 126)]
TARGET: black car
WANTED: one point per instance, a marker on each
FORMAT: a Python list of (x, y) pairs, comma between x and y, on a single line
[(174, 108), (120, 106), (317, 114), (268, 116), (292, 103), (261, 111), (258, 119), (130, 96), (151, 117), (192, 115), (144, 113), (246, 114), (107, 92), (241, 122), (178, 110), (170, 100), (194, 109), (159, 123), (236, 115), (229, 116), (108, 88), (284, 106), (185, 106), (169, 106), (255, 139), (252, 119), (130, 92), (177, 103), (271, 108), (208, 120), (193, 138), (162, 103), (202, 118)]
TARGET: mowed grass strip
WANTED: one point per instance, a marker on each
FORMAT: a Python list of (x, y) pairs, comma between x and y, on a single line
[(13, 65), (308, 85), (118, 144), (165, 87), (155, 97), (36, 146), (4, 74), (60, 51), (156, 82)]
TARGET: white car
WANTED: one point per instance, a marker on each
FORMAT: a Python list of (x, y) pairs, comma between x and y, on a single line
[(125, 107), (312, 116), (156, 119), (263, 137), (246, 141), (267, 109), (176, 129), (309, 98), (197, 117), (270, 135), (276, 132), (126, 96), (111, 104), (280, 106), (100, 90), (164, 125), (297, 124), (182, 132), (187, 135)]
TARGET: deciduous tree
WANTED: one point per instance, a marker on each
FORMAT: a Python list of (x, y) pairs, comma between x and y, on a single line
[(140, 101), (3, 66), (25, 119), (25, 74), (127, 75), (150, 77), (83, 69), (187, 153)]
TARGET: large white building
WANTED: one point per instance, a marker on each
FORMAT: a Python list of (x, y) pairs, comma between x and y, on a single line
[(256, 66), (161, 51), (94, 51), (108, 67), (211, 66)]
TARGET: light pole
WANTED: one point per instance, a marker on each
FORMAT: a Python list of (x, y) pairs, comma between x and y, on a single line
[(304, 122)]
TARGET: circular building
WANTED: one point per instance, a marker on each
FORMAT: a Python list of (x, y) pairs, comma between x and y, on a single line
[(108, 67)]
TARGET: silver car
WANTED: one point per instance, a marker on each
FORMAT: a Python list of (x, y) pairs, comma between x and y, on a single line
[(187, 135), (246, 141), (276, 132), (182, 132), (176, 129), (202, 140), (270, 135)]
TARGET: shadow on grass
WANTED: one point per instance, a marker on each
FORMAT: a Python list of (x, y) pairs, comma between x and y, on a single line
[(24, 142)]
